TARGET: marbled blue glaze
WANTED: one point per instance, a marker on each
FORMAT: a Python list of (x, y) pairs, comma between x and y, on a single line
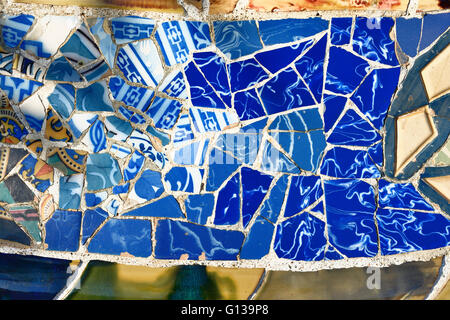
[(117, 236), (271, 207), (92, 219), (166, 207), (94, 98), (352, 130), (221, 166), (237, 38), (301, 238), (257, 242), (243, 147), (275, 161), (332, 254), (303, 192), (376, 153), (248, 105), (334, 105), (431, 192), (405, 231), (199, 207), (345, 163), (149, 185), (184, 179), (401, 196), (61, 70), (301, 120), (176, 238), (228, 205), (340, 31), (350, 207), (102, 171), (63, 231), (246, 73), (62, 99), (133, 166)]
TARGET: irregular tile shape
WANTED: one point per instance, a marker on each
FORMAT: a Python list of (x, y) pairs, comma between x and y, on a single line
[(301, 238), (34, 111), (117, 128), (27, 217), (301, 120), (10, 231), (14, 190), (183, 129), (245, 74), (257, 242), (102, 171), (185, 179), (166, 207), (123, 237), (133, 96), (62, 99), (194, 242), (130, 28), (248, 105), (37, 172), (81, 48), (303, 192), (243, 147), (107, 47), (164, 112), (93, 199), (148, 186), (92, 219), (340, 30), (434, 75), (401, 196), (119, 151), (376, 153), (433, 26), (141, 142), (62, 231), (199, 207), (332, 254), (18, 89), (14, 28), (192, 154), (94, 98), (350, 207), (237, 38), (275, 161), (212, 120), (61, 70), (221, 166), (95, 139), (273, 204), (408, 32), (228, 205), (173, 85), (70, 189), (334, 105)]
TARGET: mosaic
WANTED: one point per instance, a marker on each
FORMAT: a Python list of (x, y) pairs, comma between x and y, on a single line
[(273, 141)]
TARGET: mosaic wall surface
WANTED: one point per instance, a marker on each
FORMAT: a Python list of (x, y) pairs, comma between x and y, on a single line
[(271, 141)]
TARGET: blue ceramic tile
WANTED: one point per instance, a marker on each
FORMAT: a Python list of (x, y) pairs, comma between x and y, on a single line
[(139, 62), (133, 166), (92, 219), (310, 67), (10, 231), (429, 191), (255, 186), (248, 105), (405, 231), (136, 97), (164, 112), (117, 128), (62, 99), (287, 30), (301, 238), (332, 254), (275, 161), (93, 199), (340, 31), (178, 38), (62, 231), (237, 38), (202, 93), (305, 148), (18, 89), (245, 74), (376, 153), (350, 207), (102, 171), (14, 28), (119, 151), (132, 237), (228, 205), (243, 147), (95, 139), (285, 91), (194, 241), (192, 154), (401, 196), (107, 46), (254, 126), (334, 105), (345, 163), (352, 130), (80, 49), (28, 172), (112, 207), (212, 120), (371, 39), (6, 62), (61, 70), (303, 192), (131, 28), (277, 59), (183, 129), (345, 71), (185, 179), (95, 71), (142, 143), (374, 95), (173, 85), (408, 32), (215, 71), (94, 98), (271, 207), (199, 207), (149, 185), (433, 26), (318, 209), (301, 120), (221, 166), (70, 188), (121, 189), (162, 137), (167, 207), (257, 242)]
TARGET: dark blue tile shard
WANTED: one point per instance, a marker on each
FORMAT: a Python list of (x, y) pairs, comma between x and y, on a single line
[(199, 207), (301, 238), (185, 179), (166, 207), (257, 242), (376, 153), (301, 120), (127, 237), (401, 196), (271, 207), (334, 105), (350, 208), (374, 95), (405, 231), (176, 239), (352, 130), (345, 71), (237, 38), (408, 32), (63, 231), (202, 93), (430, 191), (10, 231), (433, 26), (345, 163), (164, 112), (243, 147), (228, 205), (277, 59), (131, 28), (332, 254), (248, 105), (255, 186), (93, 199), (275, 161), (305, 148), (288, 30), (285, 91), (303, 192), (254, 127), (310, 67), (92, 219), (318, 209), (215, 71), (61, 70), (340, 31), (371, 39), (246, 73), (221, 166)]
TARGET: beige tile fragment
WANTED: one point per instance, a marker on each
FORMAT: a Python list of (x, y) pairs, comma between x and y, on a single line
[(435, 75), (441, 185)]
